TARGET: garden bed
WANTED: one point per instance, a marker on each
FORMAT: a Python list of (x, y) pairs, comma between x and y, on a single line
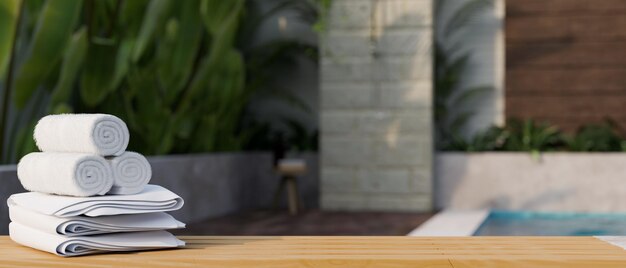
[(594, 182)]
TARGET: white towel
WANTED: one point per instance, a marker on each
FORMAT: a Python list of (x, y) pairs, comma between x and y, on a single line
[(82, 225), (83, 245), (100, 134), (74, 174), (131, 173), (153, 198)]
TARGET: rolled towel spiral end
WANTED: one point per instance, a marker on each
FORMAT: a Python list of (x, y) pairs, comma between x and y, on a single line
[(110, 135), (131, 173), (65, 174)]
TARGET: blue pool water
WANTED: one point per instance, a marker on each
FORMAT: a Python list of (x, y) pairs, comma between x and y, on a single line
[(554, 224)]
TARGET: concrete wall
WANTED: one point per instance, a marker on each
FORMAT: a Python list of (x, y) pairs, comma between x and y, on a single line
[(211, 184), (579, 182), (376, 106)]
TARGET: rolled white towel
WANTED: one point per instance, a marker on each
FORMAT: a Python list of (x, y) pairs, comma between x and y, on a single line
[(131, 173), (100, 134), (73, 174)]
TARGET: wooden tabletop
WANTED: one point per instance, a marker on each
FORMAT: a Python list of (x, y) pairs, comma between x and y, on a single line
[(345, 251)]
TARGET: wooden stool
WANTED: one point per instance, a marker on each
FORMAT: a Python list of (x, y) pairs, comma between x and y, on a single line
[(289, 169)]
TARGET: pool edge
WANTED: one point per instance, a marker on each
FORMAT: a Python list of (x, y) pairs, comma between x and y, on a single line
[(452, 223)]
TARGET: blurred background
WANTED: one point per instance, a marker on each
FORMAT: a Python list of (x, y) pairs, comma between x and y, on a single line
[(340, 117), (233, 73)]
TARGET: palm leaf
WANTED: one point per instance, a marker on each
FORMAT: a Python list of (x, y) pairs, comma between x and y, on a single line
[(72, 62), (469, 94), (8, 22), (98, 74), (177, 57), (53, 31), (154, 17)]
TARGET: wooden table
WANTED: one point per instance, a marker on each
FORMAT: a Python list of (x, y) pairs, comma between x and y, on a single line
[(346, 251)]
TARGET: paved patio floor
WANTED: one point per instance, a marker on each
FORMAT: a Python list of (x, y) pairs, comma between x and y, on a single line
[(310, 222)]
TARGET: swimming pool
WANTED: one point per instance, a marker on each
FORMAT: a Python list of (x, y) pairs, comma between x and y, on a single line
[(526, 223), (522, 223)]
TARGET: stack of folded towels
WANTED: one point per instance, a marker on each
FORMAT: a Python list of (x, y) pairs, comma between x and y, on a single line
[(87, 194)]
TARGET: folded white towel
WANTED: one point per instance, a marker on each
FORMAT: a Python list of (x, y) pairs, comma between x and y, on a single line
[(82, 225), (131, 173), (83, 245), (74, 174), (100, 134), (153, 198)]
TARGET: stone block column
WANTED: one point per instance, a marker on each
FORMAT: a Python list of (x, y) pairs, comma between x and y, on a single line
[(376, 106)]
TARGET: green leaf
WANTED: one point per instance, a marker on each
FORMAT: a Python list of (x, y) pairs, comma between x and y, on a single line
[(221, 19), (206, 134), (177, 57), (72, 63), (184, 127), (154, 17), (62, 108), (53, 31), (98, 74), (9, 10), (469, 94), (218, 13), (447, 82), (131, 15), (122, 62), (152, 117), (458, 123)]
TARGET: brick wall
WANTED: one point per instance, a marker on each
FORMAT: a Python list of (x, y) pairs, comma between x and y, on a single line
[(566, 61), (376, 95)]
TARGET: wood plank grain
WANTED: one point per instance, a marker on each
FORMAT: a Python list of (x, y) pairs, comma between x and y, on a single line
[(565, 61), (565, 55), (516, 8), (566, 82), (557, 106), (565, 29), (345, 252)]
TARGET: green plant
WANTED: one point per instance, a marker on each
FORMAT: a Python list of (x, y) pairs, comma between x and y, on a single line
[(180, 74), (322, 21), (596, 138), (533, 137), (517, 136), (529, 136), (450, 95), (492, 139)]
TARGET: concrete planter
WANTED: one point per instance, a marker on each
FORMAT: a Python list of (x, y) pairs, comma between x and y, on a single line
[(211, 184), (516, 181)]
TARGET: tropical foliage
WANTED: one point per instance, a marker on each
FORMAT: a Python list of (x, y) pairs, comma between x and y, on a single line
[(534, 137), (180, 73), (451, 97)]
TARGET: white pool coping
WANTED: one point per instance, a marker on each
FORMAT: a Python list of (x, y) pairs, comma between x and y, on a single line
[(452, 223), (619, 241), (465, 223)]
